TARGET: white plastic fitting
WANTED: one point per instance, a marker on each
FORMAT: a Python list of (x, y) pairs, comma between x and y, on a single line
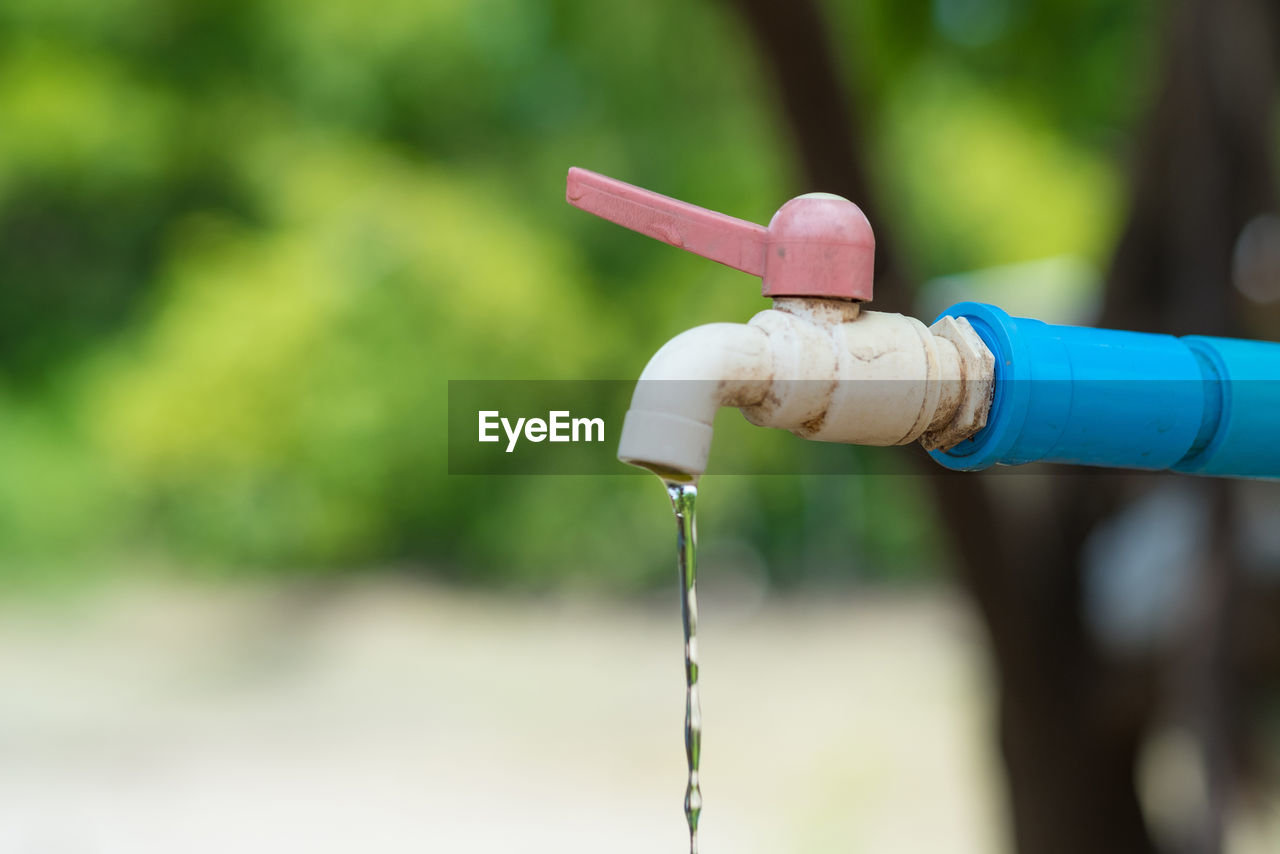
[(820, 368)]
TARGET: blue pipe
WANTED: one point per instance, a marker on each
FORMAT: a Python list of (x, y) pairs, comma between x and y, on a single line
[(1100, 397)]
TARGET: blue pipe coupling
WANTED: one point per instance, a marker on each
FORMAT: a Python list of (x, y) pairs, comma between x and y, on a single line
[(1100, 397)]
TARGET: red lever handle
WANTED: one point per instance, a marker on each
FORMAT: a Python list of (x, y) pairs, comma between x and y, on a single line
[(816, 245), (733, 242)]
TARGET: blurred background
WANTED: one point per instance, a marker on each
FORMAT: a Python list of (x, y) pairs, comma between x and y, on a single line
[(245, 245)]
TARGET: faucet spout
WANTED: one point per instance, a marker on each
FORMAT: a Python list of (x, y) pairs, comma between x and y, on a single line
[(669, 426)]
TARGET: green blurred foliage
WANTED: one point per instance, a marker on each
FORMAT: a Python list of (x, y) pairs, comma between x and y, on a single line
[(244, 246)]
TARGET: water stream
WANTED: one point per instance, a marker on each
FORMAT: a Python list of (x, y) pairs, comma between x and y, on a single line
[(683, 495)]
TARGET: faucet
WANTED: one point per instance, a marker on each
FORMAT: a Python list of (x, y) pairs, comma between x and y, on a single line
[(976, 388)]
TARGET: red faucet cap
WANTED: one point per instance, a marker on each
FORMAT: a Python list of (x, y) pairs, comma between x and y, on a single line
[(820, 245), (816, 245)]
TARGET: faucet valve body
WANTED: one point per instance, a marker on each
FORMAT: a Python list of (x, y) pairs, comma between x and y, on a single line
[(814, 364), (822, 369)]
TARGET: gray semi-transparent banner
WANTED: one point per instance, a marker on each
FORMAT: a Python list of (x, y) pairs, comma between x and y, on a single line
[(572, 427)]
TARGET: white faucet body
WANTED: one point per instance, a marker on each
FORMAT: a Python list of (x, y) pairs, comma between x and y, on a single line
[(821, 368)]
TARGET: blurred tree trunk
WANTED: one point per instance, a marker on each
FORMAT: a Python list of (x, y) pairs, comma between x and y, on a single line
[(1072, 717)]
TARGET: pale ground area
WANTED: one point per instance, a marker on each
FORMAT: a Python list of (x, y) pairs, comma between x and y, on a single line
[(386, 717)]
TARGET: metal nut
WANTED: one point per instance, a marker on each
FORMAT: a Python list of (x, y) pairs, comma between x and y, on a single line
[(977, 380)]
